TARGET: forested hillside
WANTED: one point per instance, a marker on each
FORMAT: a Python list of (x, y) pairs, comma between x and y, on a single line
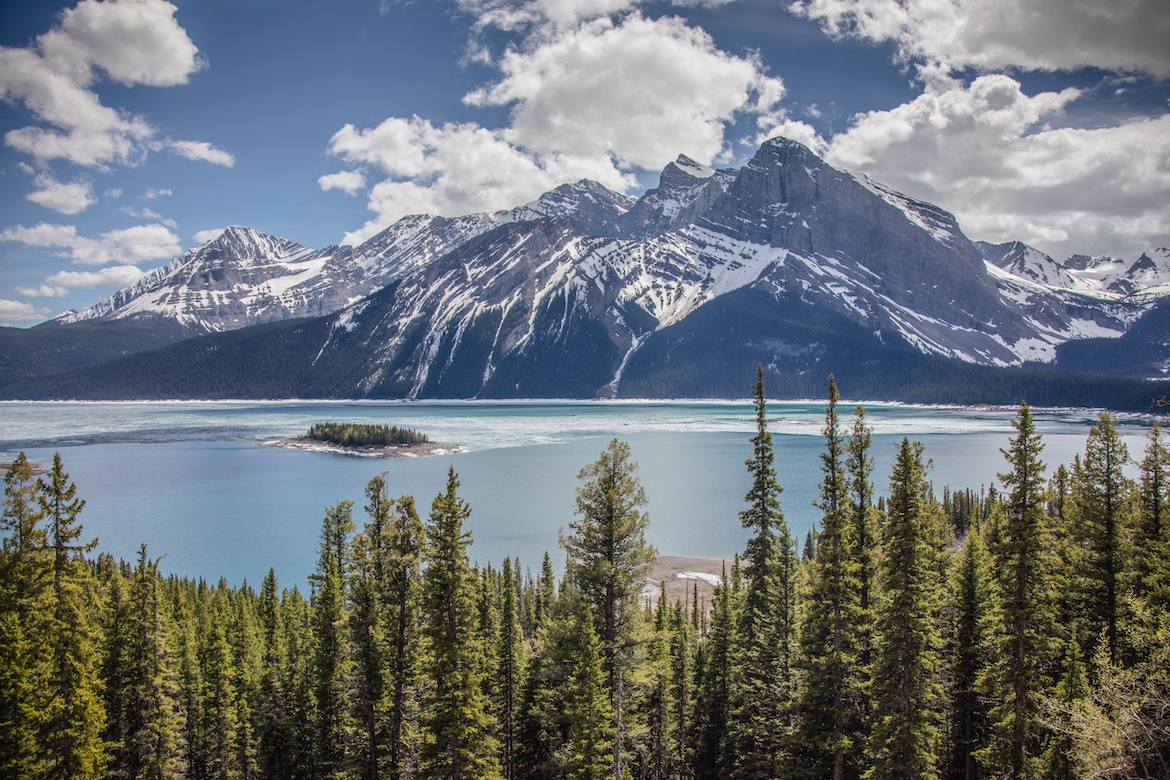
[(1020, 633)]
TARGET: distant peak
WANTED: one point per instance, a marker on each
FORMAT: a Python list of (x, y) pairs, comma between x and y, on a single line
[(693, 168)]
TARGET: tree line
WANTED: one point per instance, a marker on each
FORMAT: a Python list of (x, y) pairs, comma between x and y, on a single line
[(1019, 633)]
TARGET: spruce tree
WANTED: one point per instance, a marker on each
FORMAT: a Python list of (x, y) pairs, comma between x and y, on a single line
[(761, 692), (714, 750), (458, 742), (1064, 706), (153, 742), (1022, 543), (402, 596), (589, 749), (608, 556), (510, 670), (907, 666), (276, 724), (1153, 526), (1101, 512), (219, 755), (681, 689), (331, 654), (859, 467), (969, 644), (26, 616), (368, 631), (75, 714), (829, 735)]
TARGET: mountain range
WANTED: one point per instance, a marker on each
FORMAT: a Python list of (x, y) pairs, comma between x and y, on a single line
[(585, 292)]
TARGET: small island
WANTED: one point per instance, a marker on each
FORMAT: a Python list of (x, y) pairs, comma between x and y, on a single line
[(366, 440)]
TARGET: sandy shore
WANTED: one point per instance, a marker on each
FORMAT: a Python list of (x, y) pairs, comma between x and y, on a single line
[(419, 450), (681, 574)]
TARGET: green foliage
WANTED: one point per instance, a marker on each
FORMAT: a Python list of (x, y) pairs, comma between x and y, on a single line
[(761, 682), (907, 668), (830, 705), (1101, 520), (456, 715), (1025, 562), (364, 434), (407, 663)]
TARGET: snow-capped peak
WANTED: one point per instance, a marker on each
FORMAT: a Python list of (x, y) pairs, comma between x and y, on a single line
[(691, 168)]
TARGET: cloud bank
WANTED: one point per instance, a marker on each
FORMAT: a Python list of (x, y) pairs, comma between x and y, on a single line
[(588, 96)]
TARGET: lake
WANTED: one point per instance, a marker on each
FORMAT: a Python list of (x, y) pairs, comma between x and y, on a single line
[(188, 479)]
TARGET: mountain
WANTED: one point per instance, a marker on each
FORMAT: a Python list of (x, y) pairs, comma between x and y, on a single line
[(583, 292), (1104, 276)]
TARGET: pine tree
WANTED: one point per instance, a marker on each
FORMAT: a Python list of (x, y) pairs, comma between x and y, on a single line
[(608, 556), (220, 678), (1153, 526), (25, 625), (859, 467), (458, 742), (297, 615), (332, 667), (1101, 524), (761, 692), (248, 656), (1024, 561), (75, 714), (276, 725), (403, 604), (368, 631), (589, 750), (829, 734), (714, 753), (510, 670), (1063, 705), (153, 742), (658, 706), (681, 689), (907, 667), (972, 595)]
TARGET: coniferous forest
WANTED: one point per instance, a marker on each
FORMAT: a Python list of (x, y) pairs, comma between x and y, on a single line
[(1021, 633)]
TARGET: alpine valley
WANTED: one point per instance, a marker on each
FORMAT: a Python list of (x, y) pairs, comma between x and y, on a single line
[(587, 293)]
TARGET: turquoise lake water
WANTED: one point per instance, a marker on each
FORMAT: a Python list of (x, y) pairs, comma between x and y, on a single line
[(190, 480)]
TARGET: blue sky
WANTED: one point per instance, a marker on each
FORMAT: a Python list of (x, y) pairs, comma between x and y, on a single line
[(135, 129)]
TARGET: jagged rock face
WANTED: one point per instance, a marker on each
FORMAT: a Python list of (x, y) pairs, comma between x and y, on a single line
[(558, 296), (592, 210), (685, 190)]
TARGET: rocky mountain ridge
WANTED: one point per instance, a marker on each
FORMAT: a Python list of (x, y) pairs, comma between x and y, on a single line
[(569, 294)]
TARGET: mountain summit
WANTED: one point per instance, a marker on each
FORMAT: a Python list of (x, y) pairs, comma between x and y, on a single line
[(586, 292)]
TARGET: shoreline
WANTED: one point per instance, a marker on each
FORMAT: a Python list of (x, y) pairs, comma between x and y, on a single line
[(416, 450)]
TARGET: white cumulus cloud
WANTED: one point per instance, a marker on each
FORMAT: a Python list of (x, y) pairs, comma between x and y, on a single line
[(203, 236), (1126, 35), (71, 198), (349, 182), (125, 246), (20, 311), (601, 99), (134, 42), (114, 276), (986, 152), (54, 80), (201, 151), (448, 170), (640, 90)]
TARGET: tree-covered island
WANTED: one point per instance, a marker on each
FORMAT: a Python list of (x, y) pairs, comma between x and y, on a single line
[(387, 441)]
